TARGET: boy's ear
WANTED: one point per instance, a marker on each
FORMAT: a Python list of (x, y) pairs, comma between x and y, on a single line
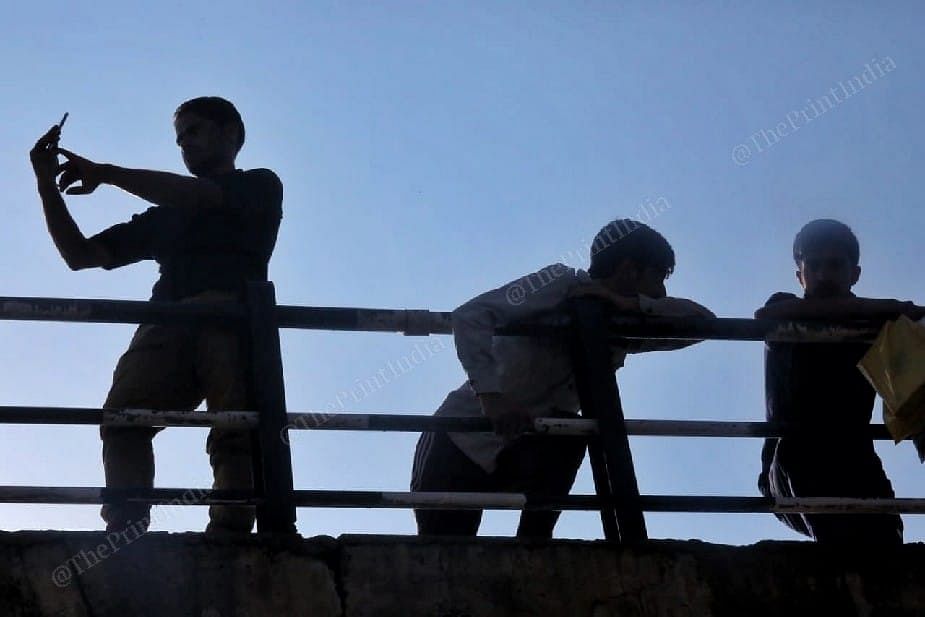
[(799, 274), (856, 275)]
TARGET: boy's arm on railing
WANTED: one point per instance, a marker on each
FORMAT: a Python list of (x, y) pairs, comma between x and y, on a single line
[(839, 308), (668, 307)]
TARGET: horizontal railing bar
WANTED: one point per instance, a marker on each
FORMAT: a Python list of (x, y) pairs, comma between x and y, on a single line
[(404, 423), (420, 322), (712, 428), (393, 423), (88, 495), (560, 426), (116, 311), (144, 417), (125, 417), (814, 505), (50, 415), (439, 500), (738, 329), (407, 321), (648, 503)]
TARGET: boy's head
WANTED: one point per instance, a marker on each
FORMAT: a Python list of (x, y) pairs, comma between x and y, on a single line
[(630, 257), (210, 133), (826, 253)]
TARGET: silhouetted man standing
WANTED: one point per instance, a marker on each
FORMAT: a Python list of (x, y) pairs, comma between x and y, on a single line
[(211, 233)]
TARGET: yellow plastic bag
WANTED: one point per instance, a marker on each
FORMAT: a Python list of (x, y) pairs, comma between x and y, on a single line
[(895, 367)]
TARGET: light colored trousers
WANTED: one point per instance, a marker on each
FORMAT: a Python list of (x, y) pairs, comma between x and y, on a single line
[(176, 367)]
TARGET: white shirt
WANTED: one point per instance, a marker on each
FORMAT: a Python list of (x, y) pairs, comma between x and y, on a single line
[(536, 372)]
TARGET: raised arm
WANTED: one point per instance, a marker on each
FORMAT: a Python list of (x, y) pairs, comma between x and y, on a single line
[(76, 249), (157, 187)]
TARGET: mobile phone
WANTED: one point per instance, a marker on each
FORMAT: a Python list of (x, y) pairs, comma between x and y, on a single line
[(63, 118)]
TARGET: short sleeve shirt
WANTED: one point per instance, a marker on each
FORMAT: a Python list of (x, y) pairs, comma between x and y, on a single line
[(217, 248)]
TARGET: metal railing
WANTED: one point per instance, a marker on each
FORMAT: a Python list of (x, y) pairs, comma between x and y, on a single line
[(590, 330)]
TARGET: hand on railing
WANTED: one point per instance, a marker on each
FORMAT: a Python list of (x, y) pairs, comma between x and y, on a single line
[(509, 418)]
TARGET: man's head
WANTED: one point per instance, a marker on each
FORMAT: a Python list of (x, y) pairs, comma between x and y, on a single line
[(826, 253), (629, 257), (210, 133)]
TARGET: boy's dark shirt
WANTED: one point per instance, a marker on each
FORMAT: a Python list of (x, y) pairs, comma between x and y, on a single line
[(816, 384), (205, 249)]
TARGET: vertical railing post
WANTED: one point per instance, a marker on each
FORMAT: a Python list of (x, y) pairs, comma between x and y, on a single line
[(272, 456), (602, 488), (611, 459)]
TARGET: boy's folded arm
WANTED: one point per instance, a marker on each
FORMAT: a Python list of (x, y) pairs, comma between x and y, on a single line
[(834, 308), (474, 322), (883, 308), (780, 303), (668, 307), (673, 307)]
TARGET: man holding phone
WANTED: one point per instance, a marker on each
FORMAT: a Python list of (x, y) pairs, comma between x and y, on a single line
[(211, 233)]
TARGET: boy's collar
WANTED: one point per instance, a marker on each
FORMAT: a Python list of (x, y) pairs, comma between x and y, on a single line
[(850, 294)]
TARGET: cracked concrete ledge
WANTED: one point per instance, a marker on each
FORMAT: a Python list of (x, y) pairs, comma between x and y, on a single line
[(92, 574)]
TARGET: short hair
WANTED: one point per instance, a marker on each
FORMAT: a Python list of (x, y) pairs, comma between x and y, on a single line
[(826, 233), (628, 239), (220, 111)]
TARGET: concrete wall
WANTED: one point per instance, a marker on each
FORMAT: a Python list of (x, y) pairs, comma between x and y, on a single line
[(190, 575)]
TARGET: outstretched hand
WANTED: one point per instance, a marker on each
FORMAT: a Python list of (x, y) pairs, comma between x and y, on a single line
[(44, 155), (78, 169)]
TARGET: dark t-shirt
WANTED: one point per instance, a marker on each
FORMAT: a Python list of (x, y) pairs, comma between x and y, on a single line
[(216, 248), (816, 384)]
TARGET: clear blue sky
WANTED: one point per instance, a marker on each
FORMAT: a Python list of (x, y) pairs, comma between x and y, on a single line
[(431, 151)]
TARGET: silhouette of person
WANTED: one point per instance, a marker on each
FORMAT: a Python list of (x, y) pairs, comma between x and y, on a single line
[(210, 233)]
